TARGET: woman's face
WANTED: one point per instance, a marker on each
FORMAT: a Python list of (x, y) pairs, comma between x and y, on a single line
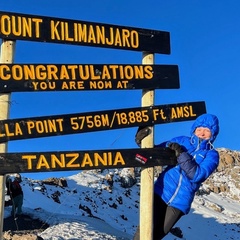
[(203, 133)]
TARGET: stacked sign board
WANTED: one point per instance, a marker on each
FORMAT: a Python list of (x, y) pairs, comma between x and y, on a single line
[(57, 30), (72, 77), (84, 160)]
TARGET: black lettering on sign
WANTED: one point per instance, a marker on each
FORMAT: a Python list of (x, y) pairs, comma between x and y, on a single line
[(57, 30), (84, 160), (15, 129), (71, 77)]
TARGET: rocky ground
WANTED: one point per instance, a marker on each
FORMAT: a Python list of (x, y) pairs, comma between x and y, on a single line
[(227, 175), (23, 227)]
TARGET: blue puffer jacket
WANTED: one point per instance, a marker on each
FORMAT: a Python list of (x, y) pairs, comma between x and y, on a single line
[(177, 184)]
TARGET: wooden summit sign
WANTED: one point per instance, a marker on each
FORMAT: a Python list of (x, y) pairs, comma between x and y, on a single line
[(85, 160), (17, 26), (24, 128), (70, 77)]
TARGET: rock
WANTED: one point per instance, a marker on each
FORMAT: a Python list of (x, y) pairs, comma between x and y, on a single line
[(61, 182), (227, 174), (28, 228)]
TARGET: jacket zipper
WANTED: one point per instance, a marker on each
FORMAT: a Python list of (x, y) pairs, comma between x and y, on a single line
[(177, 189)]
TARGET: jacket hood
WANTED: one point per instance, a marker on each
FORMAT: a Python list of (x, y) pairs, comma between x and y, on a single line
[(207, 120)]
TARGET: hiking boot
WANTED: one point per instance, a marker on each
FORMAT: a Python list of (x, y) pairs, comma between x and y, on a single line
[(177, 232)]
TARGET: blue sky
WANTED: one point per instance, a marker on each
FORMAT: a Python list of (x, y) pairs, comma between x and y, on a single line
[(205, 39)]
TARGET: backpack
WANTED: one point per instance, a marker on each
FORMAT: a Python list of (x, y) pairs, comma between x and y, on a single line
[(15, 189)]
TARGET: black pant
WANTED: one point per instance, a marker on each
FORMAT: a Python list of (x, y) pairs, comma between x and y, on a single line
[(164, 218)]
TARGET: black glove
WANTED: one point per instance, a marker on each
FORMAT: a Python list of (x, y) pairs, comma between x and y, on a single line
[(142, 132), (177, 148)]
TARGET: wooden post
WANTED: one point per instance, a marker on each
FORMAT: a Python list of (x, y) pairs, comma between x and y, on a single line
[(7, 56), (147, 174)]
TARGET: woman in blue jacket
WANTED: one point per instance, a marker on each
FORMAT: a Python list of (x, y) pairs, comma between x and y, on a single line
[(176, 186)]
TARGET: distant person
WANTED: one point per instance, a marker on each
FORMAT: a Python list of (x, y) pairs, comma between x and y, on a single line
[(176, 186), (14, 189)]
